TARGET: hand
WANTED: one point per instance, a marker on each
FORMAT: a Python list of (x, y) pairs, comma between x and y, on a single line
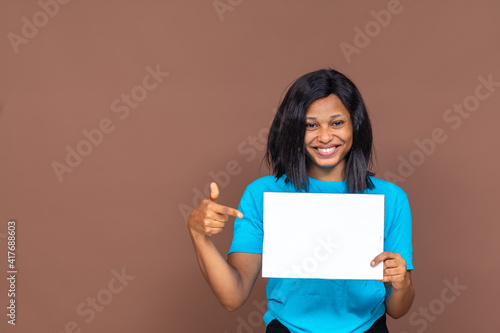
[(394, 269), (209, 217)]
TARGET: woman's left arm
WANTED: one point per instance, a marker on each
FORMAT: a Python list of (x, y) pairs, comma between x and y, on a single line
[(400, 294)]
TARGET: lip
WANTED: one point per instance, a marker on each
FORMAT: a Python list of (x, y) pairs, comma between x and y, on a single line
[(326, 154)]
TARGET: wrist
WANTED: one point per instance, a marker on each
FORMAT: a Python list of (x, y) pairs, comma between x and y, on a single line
[(197, 236), (401, 286)]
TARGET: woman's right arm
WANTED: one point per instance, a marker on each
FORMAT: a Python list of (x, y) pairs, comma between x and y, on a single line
[(231, 281)]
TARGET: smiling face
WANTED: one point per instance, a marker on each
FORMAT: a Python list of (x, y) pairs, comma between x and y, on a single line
[(328, 138)]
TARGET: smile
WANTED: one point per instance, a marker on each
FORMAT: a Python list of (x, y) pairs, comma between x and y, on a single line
[(326, 152)]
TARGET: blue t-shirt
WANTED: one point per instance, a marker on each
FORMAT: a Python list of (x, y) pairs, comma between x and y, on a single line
[(317, 305)]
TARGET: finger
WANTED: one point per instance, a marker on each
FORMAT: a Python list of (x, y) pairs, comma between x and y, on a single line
[(214, 191), (381, 257), (392, 263), (210, 223), (384, 256), (217, 216), (394, 272), (226, 210), (213, 231)]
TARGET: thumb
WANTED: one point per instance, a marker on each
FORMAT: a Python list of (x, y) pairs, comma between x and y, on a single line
[(214, 191)]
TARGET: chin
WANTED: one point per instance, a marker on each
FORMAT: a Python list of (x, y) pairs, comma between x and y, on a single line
[(327, 165)]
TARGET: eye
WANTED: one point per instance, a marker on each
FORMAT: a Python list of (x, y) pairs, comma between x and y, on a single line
[(310, 126), (338, 123)]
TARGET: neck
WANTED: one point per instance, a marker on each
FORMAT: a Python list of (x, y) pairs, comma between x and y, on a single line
[(335, 174)]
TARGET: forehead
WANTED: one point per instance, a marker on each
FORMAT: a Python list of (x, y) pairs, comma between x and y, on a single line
[(327, 106)]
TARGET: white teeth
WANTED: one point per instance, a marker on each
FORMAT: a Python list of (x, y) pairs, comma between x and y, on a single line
[(326, 150)]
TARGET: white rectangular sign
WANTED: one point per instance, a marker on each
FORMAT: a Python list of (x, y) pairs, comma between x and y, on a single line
[(322, 235)]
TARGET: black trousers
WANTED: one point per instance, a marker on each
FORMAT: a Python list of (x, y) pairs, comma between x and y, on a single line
[(379, 326)]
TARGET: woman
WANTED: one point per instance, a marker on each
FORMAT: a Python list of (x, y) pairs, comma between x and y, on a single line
[(321, 142)]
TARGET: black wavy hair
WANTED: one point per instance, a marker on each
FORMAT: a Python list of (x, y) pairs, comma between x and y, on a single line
[(285, 144)]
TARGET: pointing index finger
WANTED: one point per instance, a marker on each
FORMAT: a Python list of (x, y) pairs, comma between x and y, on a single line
[(227, 210)]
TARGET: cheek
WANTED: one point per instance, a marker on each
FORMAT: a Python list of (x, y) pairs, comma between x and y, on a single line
[(348, 139), (348, 135), (349, 142), (308, 138)]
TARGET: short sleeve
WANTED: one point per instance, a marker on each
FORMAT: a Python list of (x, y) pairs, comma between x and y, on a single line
[(248, 232), (399, 233)]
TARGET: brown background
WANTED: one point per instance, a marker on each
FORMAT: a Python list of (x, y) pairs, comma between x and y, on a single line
[(121, 207)]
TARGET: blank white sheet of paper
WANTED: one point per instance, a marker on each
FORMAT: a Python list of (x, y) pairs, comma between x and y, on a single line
[(322, 235)]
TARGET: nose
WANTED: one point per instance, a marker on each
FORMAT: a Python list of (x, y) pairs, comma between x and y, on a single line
[(325, 135)]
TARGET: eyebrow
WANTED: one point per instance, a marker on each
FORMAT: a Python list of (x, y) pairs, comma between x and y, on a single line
[(338, 115)]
